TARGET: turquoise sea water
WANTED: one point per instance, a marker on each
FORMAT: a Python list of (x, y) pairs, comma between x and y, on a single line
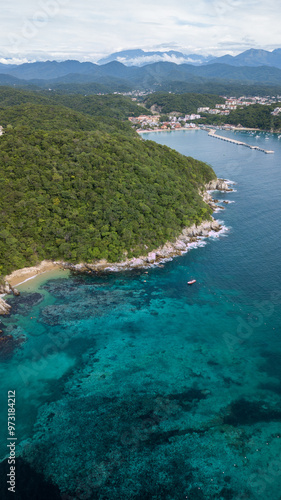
[(136, 386)]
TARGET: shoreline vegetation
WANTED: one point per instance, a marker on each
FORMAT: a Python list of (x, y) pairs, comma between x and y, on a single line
[(188, 237), (89, 189), (78, 185)]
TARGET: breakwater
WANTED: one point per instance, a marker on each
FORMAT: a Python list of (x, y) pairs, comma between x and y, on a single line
[(212, 133)]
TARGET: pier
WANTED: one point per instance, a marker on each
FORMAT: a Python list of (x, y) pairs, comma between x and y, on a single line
[(212, 133)]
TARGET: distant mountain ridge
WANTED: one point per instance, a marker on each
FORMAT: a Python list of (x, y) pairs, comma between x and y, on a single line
[(252, 57), (144, 76), (115, 76), (138, 57), (47, 70)]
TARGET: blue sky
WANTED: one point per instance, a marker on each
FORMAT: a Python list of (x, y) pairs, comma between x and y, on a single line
[(90, 29)]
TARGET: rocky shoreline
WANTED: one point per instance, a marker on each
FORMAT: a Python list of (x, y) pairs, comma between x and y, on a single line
[(188, 237), (166, 252), (6, 289), (181, 245)]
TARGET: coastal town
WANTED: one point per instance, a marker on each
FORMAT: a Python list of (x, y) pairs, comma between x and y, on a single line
[(175, 120)]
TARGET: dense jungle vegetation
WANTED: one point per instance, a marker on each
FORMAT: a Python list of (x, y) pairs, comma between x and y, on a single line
[(111, 106), (254, 116), (182, 103), (78, 184)]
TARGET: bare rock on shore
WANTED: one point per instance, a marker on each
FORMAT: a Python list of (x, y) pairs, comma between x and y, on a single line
[(151, 257), (215, 226), (218, 184), (180, 245), (207, 198), (137, 262), (4, 307), (7, 289)]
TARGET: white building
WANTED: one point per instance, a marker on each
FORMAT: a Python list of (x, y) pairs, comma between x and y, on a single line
[(214, 111), (276, 111)]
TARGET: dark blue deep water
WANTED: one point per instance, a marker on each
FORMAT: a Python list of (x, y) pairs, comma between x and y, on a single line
[(136, 386)]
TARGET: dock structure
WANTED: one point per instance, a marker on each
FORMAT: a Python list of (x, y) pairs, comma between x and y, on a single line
[(212, 133)]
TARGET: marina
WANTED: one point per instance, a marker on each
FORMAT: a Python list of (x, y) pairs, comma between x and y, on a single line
[(212, 133)]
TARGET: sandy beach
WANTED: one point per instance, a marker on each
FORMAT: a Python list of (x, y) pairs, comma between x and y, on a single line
[(26, 273)]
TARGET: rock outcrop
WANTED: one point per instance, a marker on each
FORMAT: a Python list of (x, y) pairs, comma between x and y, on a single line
[(4, 307), (214, 185), (6, 289), (218, 184)]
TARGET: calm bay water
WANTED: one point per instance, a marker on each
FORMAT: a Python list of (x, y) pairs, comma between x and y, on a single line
[(136, 386)]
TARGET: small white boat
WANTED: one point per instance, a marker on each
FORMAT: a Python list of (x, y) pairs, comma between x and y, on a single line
[(191, 282)]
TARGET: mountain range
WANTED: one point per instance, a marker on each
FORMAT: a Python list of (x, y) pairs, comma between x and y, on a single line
[(75, 71), (139, 57), (251, 57), (249, 68)]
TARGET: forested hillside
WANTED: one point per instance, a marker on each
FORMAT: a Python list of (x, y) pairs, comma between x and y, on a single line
[(111, 106), (254, 116), (182, 103), (80, 187)]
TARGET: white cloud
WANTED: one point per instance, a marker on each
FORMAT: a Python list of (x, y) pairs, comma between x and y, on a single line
[(88, 30), (137, 61)]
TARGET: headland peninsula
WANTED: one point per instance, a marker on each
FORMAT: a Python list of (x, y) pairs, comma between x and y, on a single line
[(77, 188)]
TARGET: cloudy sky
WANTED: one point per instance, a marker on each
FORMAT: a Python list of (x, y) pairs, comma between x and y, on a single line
[(90, 29)]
